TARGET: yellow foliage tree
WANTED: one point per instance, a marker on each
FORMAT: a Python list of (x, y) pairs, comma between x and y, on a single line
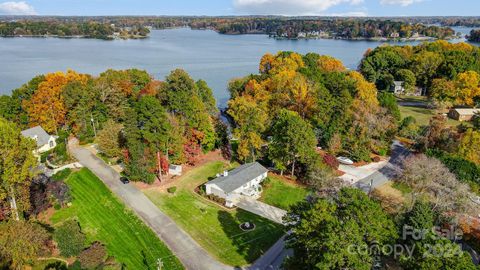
[(468, 88), (366, 91), (470, 146), (329, 64), (46, 107), (270, 64)]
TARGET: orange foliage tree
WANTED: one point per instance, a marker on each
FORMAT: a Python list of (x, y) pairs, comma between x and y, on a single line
[(46, 107)]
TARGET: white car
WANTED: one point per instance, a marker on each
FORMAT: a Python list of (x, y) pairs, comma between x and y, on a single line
[(345, 160)]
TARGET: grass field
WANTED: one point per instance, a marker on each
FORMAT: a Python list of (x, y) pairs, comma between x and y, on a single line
[(104, 218), (216, 229), (422, 115), (282, 194)]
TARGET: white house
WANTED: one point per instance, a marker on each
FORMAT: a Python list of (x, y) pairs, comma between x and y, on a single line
[(398, 87), (44, 141), (244, 180)]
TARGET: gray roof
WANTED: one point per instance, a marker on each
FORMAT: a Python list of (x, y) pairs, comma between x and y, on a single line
[(239, 176), (398, 83), (37, 133)]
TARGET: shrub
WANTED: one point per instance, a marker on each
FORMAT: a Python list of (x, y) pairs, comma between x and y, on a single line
[(42, 190), (62, 175), (69, 238), (172, 190), (93, 256), (331, 161), (217, 199)]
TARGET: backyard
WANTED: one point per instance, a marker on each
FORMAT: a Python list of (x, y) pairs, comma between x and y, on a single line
[(104, 218), (281, 193), (423, 115), (215, 228)]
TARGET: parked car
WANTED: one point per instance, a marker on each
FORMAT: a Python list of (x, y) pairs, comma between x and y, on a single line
[(124, 180), (345, 160)]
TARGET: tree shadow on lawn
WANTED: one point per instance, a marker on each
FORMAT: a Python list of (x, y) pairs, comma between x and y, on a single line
[(249, 244)]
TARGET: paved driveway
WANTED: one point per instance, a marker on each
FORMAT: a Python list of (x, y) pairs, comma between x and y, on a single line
[(180, 243), (262, 209), (386, 173)]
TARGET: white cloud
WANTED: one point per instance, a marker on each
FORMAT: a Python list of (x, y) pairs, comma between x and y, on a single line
[(16, 8), (402, 3), (288, 7)]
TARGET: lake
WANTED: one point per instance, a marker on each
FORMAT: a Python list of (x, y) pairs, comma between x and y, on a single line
[(204, 54)]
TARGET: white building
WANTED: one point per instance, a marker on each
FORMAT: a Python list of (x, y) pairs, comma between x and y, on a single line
[(45, 142), (244, 180), (398, 87)]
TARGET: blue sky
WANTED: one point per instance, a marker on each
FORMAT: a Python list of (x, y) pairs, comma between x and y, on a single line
[(243, 7)]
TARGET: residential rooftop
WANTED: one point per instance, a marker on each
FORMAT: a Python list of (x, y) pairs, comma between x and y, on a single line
[(239, 176)]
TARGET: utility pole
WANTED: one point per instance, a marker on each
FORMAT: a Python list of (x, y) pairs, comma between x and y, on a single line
[(93, 125)]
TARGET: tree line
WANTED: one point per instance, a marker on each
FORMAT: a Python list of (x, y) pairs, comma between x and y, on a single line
[(146, 123), (448, 73), (56, 28), (347, 28)]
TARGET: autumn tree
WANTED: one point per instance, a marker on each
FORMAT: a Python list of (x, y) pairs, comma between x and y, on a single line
[(468, 85), (46, 106), (329, 64), (109, 139), (251, 123), (21, 242), (292, 140), (16, 167), (470, 146)]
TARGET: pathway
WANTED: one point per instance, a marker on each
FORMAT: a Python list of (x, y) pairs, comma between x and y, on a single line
[(180, 243)]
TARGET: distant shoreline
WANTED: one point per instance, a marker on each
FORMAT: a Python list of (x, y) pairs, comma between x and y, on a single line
[(75, 37)]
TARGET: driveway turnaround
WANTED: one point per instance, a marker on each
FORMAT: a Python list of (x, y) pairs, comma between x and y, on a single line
[(182, 245), (388, 172)]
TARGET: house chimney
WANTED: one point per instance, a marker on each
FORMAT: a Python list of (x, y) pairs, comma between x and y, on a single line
[(225, 173)]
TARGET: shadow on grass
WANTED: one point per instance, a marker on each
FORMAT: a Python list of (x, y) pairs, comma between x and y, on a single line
[(249, 244)]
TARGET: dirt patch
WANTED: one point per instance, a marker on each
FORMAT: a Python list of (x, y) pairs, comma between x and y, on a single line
[(169, 181), (391, 199), (46, 215)]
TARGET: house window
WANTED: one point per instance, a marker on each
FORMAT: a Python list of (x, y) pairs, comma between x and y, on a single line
[(51, 144)]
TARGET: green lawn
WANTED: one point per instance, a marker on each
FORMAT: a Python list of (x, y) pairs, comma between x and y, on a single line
[(213, 227), (104, 218), (282, 194), (422, 115)]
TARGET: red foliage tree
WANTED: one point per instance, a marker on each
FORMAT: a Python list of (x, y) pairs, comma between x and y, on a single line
[(331, 161)]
